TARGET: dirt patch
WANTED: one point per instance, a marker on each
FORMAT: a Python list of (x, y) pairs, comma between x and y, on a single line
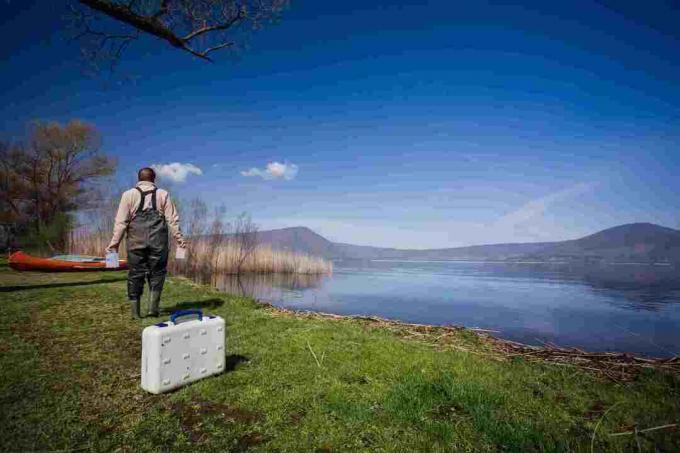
[(352, 379), (248, 440), (448, 412), (296, 416), (596, 410), (561, 398), (192, 417)]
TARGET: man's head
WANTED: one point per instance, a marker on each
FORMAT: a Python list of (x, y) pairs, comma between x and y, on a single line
[(146, 174)]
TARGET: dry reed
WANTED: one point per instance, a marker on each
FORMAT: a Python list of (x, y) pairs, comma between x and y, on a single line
[(83, 242), (216, 255), (206, 257)]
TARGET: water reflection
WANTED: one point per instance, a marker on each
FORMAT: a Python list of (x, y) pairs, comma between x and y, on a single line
[(632, 308), (628, 286), (267, 287), (632, 287)]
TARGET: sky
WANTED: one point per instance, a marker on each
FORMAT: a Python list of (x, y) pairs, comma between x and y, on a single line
[(414, 124)]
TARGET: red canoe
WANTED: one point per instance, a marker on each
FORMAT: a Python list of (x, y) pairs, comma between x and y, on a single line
[(21, 261)]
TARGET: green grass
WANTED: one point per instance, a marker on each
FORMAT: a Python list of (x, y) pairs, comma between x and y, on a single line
[(69, 379)]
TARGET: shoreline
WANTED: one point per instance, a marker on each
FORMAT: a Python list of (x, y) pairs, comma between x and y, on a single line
[(616, 366), (477, 261), (305, 381), (482, 333)]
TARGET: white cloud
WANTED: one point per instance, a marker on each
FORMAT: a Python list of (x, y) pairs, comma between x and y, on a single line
[(176, 171), (274, 170), (528, 221)]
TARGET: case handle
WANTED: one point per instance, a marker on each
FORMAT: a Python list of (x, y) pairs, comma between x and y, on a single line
[(179, 313)]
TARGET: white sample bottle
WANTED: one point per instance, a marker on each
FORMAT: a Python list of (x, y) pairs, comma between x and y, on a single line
[(112, 260), (180, 253)]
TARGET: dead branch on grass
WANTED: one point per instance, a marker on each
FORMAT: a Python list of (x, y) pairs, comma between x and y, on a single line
[(646, 430)]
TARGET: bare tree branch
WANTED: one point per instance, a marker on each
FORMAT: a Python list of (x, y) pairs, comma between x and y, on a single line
[(221, 46), (222, 26), (180, 23), (165, 6), (151, 25)]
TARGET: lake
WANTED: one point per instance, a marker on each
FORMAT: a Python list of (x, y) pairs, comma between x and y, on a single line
[(625, 307)]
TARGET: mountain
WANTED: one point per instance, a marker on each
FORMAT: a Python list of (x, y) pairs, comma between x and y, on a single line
[(635, 242), (298, 239)]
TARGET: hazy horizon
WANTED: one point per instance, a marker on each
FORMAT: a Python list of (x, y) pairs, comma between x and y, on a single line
[(406, 247), (426, 123)]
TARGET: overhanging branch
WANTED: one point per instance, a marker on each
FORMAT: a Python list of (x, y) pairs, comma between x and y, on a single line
[(198, 27), (148, 24), (208, 29)]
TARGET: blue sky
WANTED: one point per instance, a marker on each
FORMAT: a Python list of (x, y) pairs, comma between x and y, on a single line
[(429, 124)]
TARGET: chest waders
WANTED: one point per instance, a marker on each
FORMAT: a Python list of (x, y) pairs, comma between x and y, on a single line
[(147, 249)]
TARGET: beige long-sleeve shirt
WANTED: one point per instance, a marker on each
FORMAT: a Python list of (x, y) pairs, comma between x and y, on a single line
[(127, 209)]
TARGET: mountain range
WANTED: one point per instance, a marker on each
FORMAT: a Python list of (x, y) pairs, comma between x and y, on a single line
[(635, 242)]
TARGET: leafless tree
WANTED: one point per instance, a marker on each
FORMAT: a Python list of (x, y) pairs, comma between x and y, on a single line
[(244, 238), (198, 27), (196, 218), (100, 218), (216, 237), (218, 228)]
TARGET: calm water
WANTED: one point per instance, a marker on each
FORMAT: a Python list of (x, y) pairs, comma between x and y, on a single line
[(633, 308)]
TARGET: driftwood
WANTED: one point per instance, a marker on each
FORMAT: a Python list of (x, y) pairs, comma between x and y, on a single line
[(616, 366)]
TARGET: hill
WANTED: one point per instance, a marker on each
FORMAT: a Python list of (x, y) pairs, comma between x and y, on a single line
[(298, 239), (635, 242)]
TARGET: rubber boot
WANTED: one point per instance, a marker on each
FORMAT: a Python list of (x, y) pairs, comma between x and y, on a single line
[(134, 308), (154, 303)]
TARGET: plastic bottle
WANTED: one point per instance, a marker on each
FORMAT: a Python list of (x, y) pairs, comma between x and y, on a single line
[(112, 260)]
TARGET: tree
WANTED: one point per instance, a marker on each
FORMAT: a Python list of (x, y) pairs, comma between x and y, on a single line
[(44, 180), (199, 27), (244, 239)]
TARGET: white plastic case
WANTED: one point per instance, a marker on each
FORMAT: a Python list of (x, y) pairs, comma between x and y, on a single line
[(177, 353)]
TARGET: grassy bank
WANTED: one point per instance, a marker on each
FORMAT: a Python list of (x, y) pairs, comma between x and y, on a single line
[(69, 376)]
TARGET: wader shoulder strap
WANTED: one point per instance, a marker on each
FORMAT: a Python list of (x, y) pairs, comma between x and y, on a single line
[(143, 195), (141, 199)]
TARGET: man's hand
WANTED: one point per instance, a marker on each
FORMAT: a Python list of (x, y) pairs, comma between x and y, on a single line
[(111, 249)]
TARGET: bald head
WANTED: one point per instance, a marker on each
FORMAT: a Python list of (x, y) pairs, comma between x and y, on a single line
[(146, 174)]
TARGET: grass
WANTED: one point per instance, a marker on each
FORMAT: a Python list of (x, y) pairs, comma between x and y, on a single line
[(69, 380)]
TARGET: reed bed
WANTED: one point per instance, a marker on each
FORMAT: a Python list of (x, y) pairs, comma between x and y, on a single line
[(228, 258), (216, 256), (83, 242)]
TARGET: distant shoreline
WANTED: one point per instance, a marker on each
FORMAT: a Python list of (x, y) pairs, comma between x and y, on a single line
[(516, 262)]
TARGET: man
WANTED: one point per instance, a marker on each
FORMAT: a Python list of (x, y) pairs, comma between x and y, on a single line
[(145, 212)]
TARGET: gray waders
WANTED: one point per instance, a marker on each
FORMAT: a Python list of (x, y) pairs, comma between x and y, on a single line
[(147, 249)]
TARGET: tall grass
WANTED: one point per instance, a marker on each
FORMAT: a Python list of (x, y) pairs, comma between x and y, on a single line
[(216, 247), (215, 255), (84, 242), (263, 259)]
